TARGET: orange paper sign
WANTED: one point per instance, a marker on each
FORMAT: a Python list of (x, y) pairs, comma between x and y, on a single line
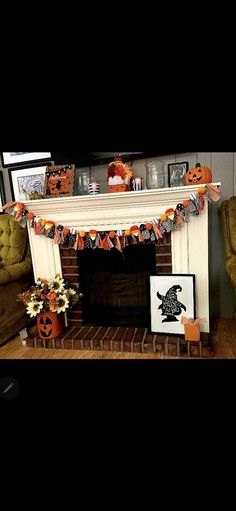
[(191, 329)]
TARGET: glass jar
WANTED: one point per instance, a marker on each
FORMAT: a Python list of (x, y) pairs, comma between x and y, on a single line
[(155, 175), (86, 175)]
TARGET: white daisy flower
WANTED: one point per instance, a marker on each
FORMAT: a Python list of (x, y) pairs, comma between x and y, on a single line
[(63, 303), (34, 308), (56, 284)]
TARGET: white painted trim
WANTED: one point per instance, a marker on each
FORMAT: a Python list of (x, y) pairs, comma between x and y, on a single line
[(110, 210)]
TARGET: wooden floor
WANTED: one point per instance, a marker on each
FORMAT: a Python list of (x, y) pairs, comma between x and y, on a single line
[(223, 337)]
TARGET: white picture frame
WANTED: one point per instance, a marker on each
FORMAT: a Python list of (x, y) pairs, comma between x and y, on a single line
[(11, 158), (172, 296), (27, 180)]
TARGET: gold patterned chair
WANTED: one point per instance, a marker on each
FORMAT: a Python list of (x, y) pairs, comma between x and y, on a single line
[(15, 276), (228, 212)]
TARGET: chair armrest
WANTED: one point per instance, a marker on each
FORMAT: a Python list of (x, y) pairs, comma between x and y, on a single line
[(15, 271), (230, 263)]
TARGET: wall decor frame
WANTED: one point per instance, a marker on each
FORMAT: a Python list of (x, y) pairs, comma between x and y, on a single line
[(10, 159), (176, 173), (172, 296), (27, 181), (59, 181), (2, 192)]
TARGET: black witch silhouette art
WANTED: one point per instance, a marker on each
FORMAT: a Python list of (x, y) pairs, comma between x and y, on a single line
[(170, 306)]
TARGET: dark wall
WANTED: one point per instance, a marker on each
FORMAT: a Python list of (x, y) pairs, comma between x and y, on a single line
[(96, 158)]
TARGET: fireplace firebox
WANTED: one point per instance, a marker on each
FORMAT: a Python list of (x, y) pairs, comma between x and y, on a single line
[(130, 269), (115, 285)]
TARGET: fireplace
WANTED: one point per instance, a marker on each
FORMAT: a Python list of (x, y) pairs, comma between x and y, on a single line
[(115, 285), (118, 211)]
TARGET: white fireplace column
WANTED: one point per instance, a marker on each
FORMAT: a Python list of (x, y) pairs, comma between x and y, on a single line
[(112, 211)]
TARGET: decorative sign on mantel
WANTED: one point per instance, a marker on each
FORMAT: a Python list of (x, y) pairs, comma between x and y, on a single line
[(150, 231)]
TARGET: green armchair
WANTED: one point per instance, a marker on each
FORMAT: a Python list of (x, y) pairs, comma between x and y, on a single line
[(228, 212), (16, 276)]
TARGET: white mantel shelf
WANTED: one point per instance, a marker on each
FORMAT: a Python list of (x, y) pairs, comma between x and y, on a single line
[(110, 211), (106, 211)]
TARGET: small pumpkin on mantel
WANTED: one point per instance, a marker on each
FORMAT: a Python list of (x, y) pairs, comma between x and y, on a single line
[(197, 175)]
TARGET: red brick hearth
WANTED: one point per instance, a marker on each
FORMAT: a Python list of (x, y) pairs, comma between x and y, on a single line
[(135, 340)]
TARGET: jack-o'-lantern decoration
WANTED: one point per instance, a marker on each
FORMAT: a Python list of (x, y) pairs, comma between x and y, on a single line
[(198, 175), (49, 324)]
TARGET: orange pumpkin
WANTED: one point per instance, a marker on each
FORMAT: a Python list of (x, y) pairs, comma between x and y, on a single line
[(49, 324), (198, 175)]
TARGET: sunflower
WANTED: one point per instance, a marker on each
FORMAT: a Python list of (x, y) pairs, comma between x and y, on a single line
[(62, 303), (56, 284), (34, 308), (54, 295)]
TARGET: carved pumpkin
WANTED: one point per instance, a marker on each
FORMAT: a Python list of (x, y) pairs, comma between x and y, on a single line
[(198, 175), (49, 324)]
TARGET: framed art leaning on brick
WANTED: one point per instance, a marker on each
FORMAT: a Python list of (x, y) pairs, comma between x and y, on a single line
[(172, 296)]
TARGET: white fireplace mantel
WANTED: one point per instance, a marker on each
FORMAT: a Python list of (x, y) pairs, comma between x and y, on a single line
[(110, 211)]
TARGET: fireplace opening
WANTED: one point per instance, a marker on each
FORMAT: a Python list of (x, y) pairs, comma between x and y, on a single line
[(116, 285)]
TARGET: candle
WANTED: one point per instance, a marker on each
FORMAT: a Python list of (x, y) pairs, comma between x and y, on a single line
[(138, 183), (94, 187)]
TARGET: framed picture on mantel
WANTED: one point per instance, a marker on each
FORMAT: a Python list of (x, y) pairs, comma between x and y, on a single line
[(27, 182), (176, 173)]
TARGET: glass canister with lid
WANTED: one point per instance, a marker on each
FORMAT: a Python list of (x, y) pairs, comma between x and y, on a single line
[(155, 175), (87, 177)]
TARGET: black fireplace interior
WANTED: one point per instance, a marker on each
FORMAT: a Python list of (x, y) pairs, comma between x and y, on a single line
[(116, 285)]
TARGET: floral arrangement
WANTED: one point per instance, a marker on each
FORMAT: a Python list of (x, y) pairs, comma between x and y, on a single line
[(119, 172), (53, 295)]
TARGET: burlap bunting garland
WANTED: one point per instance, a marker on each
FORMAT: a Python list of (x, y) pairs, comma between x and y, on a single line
[(148, 232)]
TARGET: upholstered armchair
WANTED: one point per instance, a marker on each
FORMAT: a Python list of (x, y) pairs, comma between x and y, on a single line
[(15, 276), (228, 212)]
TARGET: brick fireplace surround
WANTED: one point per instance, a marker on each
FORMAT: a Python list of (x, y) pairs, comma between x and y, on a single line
[(178, 252)]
